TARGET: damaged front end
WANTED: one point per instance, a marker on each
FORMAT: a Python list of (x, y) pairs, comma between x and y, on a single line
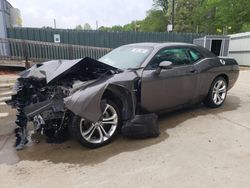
[(42, 104), (41, 92)]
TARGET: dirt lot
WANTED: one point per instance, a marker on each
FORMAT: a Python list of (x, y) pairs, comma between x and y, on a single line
[(198, 147)]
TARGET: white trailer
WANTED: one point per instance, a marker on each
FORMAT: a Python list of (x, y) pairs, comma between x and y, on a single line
[(239, 48)]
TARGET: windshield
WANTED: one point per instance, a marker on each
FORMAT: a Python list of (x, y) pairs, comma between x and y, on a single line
[(126, 57)]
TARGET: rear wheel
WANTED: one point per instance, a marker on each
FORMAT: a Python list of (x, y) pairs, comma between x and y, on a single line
[(217, 93), (93, 135)]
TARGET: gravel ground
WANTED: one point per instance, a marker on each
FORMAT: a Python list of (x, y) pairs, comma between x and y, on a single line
[(198, 147)]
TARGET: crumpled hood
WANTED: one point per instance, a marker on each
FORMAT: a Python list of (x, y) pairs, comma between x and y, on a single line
[(53, 70)]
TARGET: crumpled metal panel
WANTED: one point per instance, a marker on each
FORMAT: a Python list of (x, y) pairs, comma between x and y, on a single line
[(86, 103), (51, 70)]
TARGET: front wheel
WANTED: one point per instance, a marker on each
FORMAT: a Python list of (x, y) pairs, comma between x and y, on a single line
[(93, 135), (217, 93)]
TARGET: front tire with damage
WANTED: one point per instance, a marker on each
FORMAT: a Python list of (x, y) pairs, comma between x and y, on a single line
[(94, 135)]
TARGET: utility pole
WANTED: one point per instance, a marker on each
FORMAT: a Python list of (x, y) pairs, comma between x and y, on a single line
[(172, 20), (54, 23), (96, 25)]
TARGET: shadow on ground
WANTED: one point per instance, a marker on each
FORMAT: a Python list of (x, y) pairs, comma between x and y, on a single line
[(72, 152)]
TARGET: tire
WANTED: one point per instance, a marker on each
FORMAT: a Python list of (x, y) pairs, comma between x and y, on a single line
[(94, 135), (217, 93)]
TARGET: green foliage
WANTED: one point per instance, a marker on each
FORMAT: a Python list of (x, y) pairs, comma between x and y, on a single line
[(164, 4), (155, 21), (209, 16), (202, 16), (113, 28), (215, 16), (130, 27), (184, 17), (102, 28), (234, 14), (246, 27), (78, 27), (116, 28), (87, 26)]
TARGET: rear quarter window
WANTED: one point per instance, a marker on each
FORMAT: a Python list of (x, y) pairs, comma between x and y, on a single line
[(195, 55)]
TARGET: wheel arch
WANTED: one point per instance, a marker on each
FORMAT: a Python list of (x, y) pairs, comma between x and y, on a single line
[(123, 98), (223, 75), (211, 81)]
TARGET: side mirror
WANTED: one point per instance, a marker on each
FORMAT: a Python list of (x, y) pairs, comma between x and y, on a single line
[(166, 65), (163, 65)]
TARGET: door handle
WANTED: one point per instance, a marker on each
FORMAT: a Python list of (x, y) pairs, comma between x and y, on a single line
[(192, 70)]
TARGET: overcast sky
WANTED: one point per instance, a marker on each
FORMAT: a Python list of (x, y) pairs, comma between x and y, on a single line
[(69, 13)]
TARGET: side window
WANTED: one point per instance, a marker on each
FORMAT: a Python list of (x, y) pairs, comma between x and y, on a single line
[(178, 56), (195, 55)]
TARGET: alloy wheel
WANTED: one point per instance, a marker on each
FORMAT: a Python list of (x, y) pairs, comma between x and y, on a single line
[(219, 92), (102, 130)]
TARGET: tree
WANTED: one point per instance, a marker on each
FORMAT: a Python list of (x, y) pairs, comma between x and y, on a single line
[(185, 12), (116, 28), (87, 27), (246, 27), (129, 27), (164, 4), (47, 27), (102, 28), (232, 16), (155, 21), (222, 17), (208, 16), (203, 16), (78, 27), (113, 28), (133, 26)]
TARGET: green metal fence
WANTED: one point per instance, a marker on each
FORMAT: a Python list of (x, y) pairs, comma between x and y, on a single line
[(18, 49), (98, 38)]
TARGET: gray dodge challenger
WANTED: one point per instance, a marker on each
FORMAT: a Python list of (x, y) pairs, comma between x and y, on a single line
[(95, 100)]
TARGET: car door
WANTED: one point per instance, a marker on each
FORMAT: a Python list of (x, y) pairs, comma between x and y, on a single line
[(172, 87)]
